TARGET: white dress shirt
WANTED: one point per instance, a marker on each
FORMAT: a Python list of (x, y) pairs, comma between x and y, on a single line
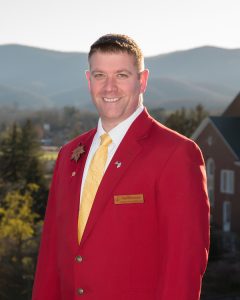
[(116, 134)]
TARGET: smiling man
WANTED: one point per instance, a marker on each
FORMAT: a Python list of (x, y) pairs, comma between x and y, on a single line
[(128, 213), (116, 83)]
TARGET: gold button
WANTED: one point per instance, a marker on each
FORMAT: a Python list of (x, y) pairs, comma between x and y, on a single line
[(79, 258), (80, 291)]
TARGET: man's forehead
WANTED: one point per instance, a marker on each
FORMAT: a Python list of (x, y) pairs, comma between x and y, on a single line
[(110, 59)]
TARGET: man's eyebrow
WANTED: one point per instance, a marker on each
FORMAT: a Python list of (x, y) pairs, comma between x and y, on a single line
[(118, 71), (124, 71), (96, 71)]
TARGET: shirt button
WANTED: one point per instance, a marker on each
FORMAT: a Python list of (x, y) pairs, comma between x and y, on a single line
[(79, 258), (80, 291)]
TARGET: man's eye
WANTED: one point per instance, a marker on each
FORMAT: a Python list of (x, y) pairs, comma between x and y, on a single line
[(99, 75), (122, 75)]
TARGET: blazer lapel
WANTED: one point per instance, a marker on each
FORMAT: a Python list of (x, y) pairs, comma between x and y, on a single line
[(76, 181), (127, 151)]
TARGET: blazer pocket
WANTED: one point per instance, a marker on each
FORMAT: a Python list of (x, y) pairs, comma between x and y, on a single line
[(128, 199)]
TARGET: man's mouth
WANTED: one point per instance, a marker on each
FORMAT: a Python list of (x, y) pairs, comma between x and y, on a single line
[(110, 99)]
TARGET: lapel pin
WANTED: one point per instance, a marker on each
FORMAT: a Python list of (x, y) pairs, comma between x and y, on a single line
[(118, 164), (73, 173), (78, 152)]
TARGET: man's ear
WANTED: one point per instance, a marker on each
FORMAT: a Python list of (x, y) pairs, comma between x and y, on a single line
[(88, 75), (143, 80)]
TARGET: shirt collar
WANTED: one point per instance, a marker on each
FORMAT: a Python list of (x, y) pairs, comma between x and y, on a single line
[(118, 132)]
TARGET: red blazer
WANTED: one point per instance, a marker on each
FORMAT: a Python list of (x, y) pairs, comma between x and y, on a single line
[(153, 246)]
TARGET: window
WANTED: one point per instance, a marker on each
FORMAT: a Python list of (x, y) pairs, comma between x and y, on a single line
[(210, 166), (227, 182), (226, 216), (210, 140)]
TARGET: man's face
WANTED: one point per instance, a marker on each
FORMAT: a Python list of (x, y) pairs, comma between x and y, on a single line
[(115, 85)]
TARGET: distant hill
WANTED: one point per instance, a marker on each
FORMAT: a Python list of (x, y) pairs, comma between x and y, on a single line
[(17, 97), (34, 78)]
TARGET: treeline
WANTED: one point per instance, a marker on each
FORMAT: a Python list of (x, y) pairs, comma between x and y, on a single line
[(64, 124), (24, 186), (184, 121), (23, 194), (55, 125)]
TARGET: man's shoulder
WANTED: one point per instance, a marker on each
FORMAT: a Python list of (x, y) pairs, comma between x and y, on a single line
[(165, 136), (172, 144), (165, 132), (159, 135)]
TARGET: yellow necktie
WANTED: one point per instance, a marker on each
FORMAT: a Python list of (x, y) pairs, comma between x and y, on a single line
[(92, 181)]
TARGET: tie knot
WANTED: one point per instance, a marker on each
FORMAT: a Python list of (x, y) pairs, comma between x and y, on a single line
[(105, 139)]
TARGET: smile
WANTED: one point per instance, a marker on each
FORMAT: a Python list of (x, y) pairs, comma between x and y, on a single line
[(110, 99)]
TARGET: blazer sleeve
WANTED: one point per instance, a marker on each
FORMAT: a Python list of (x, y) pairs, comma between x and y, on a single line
[(185, 218), (46, 283)]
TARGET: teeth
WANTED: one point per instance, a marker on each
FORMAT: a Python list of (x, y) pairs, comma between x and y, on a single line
[(110, 99)]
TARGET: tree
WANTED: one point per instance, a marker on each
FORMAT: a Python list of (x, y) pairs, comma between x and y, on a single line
[(186, 121), (19, 227), (21, 163), (32, 166), (30, 149), (10, 158)]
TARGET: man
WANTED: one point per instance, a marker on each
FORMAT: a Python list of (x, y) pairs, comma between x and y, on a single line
[(140, 231)]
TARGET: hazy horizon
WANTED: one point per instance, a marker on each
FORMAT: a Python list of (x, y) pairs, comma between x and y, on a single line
[(147, 56), (159, 27)]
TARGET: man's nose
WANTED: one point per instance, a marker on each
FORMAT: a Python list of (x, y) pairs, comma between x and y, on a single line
[(110, 84)]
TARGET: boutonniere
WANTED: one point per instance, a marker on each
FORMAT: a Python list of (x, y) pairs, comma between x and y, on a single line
[(78, 152)]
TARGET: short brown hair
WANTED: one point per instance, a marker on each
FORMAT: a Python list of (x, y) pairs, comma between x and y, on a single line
[(118, 43)]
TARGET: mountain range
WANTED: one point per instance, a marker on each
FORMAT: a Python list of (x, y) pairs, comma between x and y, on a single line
[(33, 78)]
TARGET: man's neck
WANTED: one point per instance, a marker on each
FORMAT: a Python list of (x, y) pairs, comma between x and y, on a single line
[(108, 125)]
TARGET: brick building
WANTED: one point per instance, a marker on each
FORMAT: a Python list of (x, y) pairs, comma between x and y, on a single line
[(219, 140)]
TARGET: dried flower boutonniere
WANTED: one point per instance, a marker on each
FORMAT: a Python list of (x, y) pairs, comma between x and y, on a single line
[(78, 152)]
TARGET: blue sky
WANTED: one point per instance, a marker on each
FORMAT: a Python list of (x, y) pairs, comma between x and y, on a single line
[(158, 26)]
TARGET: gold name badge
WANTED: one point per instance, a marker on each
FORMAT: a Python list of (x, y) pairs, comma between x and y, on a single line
[(127, 199)]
